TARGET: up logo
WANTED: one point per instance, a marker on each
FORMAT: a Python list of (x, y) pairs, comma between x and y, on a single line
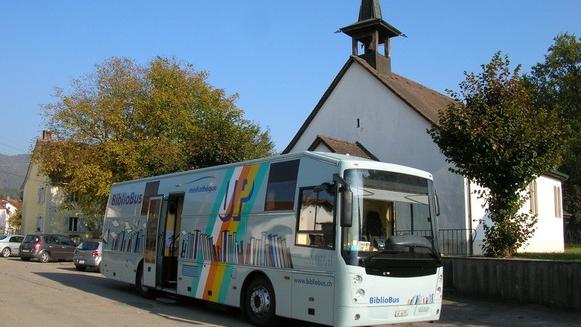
[(238, 195)]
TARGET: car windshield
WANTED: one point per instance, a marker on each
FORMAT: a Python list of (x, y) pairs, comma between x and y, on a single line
[(3, 237), (392, 216), (88, 246)]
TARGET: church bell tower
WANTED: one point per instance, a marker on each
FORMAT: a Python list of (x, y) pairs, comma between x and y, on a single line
[(373, 34)]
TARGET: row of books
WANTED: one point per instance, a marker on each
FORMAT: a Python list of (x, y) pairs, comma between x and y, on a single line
[(124, 241), (269, 250)]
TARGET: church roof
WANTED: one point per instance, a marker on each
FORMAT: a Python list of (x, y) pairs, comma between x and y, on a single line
[(423, 100), (342, 147)]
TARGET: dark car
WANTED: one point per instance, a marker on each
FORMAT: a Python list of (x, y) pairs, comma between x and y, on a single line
[(88, 255), (47, 247)]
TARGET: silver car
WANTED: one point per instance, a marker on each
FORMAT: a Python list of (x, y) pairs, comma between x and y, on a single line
[(88, 255), (10, 245)]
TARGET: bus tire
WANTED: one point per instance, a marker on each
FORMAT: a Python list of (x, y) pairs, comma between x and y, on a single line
[(259, 302), (143, 290)]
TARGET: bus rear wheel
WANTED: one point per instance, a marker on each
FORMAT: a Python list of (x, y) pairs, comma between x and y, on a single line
[(259, 302)]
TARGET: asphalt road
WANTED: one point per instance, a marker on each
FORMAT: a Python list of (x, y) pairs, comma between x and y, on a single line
[(55, 294)]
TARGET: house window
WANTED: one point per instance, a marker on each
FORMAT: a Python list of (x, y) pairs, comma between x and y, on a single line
[(73, 224), (533, 198), (41, 195), (73, 197), (315, 225), (558, 201), (282, 183)]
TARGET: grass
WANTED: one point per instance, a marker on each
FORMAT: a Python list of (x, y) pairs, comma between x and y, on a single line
[(572, 252)]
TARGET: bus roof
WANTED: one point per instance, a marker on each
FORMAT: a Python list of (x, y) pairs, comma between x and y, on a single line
[(347, 160)]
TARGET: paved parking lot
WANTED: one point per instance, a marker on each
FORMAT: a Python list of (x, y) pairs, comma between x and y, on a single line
[(55, 294)]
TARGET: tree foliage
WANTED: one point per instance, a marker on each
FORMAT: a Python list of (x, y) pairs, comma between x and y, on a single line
[(127, 121), (496, 136), (557, 82), (16, 219)]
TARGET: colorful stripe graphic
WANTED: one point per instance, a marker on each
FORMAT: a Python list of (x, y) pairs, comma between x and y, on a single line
[(230, 213)]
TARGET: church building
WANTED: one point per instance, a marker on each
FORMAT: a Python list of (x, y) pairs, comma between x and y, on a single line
[(370, 111)]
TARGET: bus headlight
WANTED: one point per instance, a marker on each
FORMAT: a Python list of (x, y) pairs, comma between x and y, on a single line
[(357, 279), (360, 292), (440, 285)]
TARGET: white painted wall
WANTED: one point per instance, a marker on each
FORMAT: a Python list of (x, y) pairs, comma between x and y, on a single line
[(395, 133), (389, 129), (5, 215), (548, 235)]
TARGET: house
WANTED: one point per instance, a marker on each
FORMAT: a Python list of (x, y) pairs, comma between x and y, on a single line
[(42, 203), (8, 208), (370, 110)]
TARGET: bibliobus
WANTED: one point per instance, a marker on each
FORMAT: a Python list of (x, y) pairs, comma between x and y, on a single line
[(332, 239)]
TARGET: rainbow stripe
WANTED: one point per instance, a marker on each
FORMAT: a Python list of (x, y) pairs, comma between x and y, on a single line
[(230, 212)]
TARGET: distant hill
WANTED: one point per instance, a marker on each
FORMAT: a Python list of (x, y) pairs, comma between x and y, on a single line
[(12, 173)]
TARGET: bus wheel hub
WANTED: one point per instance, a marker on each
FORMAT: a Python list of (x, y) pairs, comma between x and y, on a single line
[(260, 301)]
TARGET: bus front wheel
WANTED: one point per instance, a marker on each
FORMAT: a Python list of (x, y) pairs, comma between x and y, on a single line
[(259, 302), (143, 290)]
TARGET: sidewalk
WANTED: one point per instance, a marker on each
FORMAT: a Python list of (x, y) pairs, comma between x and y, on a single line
[(464, 311)]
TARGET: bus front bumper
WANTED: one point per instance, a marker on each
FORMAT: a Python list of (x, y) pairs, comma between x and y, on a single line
[(377, 315)]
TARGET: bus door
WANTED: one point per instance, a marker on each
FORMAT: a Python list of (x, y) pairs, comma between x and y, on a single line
[(171, 241), (150, 256)]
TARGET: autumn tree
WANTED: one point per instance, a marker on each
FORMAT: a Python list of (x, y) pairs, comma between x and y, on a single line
[(557, 85), (126, 121), (16, 219), (496, 136)]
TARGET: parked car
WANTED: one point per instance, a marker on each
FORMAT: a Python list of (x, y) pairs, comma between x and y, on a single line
[(88, 255), (10, 244), (47, 247)]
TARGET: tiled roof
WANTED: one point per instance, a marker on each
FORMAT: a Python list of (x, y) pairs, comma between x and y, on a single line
[(342, 147), (425, 101), (14, 203)]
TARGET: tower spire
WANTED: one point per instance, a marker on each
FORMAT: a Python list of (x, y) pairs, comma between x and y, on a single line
[(370, 9), (372, 32)]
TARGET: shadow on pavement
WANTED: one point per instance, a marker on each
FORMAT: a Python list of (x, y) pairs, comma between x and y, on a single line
[(175, 308), (466, 311)]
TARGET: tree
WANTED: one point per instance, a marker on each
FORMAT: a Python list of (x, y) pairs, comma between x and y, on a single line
[(557, 83), (127, 121), (16, 219), (496, 136)]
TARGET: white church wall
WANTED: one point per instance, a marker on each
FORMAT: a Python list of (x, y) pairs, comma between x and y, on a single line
[(548, 235), (362, 109)]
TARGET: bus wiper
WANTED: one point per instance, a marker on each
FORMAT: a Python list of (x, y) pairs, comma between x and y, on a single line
[(407, 241), (413, 241)]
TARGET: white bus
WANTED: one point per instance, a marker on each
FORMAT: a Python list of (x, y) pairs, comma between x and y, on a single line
[(332, 239)]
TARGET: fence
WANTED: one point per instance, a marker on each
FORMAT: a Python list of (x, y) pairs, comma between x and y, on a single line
[(452, 241), (573, 237)]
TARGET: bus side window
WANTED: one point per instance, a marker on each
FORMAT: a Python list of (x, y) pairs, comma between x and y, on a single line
[(282, 183), (315, 226)]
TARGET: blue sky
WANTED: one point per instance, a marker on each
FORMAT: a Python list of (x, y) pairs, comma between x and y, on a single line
[(280, 56)]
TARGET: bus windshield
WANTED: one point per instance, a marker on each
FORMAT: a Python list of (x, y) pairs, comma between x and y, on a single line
[(392, 217)]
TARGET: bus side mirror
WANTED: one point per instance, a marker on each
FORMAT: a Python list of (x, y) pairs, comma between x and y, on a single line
[(346, 207), (346, 216)]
